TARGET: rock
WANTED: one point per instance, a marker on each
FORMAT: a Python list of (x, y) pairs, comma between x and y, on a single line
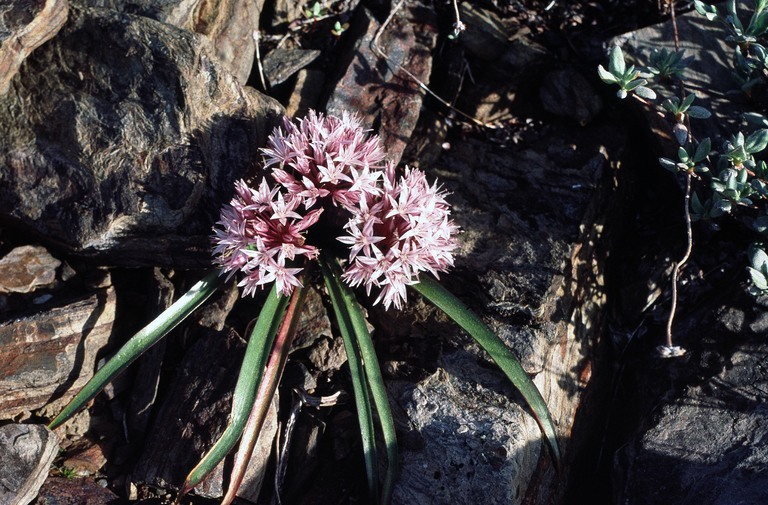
[(27, 452), (143, 395), (25, 27), (566, 93), (50, 354), (228, 24), (709, 445), (530, 263), (304, 462), (257, 467), (63, 491), (214, 312), (327, 354), (446, 81), (75, 428), (306, 92), (87, 461), (522, 55), (313, 322), (473, 434), (280, 64), (377, 88), (288, 11), (128, 163), (709, 75), (512, 84), (484, 37), (27, 268)]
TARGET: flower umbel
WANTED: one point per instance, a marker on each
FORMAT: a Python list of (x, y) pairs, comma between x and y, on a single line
[(394, 229), (324, 157), (396, 235), (260, 231)]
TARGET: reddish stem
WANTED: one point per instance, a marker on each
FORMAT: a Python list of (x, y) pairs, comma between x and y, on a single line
[(270, 380)]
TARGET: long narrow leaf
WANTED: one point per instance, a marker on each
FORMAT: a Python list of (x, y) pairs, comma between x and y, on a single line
[(256, 354), (140, 342), (375, 382), (359, 382), (266, 392), (501, 354)]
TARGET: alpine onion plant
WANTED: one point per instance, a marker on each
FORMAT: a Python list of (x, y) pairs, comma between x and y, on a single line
[(327, 200)]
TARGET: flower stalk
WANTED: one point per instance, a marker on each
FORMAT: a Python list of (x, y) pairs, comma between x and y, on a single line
[(251, 372), (273, 372)]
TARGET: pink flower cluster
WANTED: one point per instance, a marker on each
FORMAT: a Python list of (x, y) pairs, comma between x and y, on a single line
[(397, 234), (395, 229)]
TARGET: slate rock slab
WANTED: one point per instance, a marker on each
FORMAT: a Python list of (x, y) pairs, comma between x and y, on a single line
[(227, 24), (709, 446), (532, 264), (27, 452), (704, 440), (50, 354), (377, 87), (127, 163), (63, 491), (471, 432), (709, 75), (567, 93)]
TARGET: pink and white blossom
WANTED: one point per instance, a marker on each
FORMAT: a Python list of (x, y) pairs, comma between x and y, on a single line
[(395, 228), (398, 234)]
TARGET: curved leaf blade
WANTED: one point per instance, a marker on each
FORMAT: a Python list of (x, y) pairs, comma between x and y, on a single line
[(375, 382), (273, 372), (359, 380), (256, 355), (140, 342), (501, 354)]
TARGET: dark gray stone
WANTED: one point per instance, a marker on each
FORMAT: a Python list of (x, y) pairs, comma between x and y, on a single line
[(63, 491), (472, 434), (709, 75), (127, 163), (280, 64), (532, 266), (567, 93), (485, 37), (27, 452), (709, 446)]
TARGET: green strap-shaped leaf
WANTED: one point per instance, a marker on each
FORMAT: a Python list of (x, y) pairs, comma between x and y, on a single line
[(273, 372), (140, 342), (359, 380), (251, 371), (501, 354), (375, 382)]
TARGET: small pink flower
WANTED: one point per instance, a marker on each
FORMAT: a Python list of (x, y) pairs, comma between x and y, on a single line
[(325, 156)]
